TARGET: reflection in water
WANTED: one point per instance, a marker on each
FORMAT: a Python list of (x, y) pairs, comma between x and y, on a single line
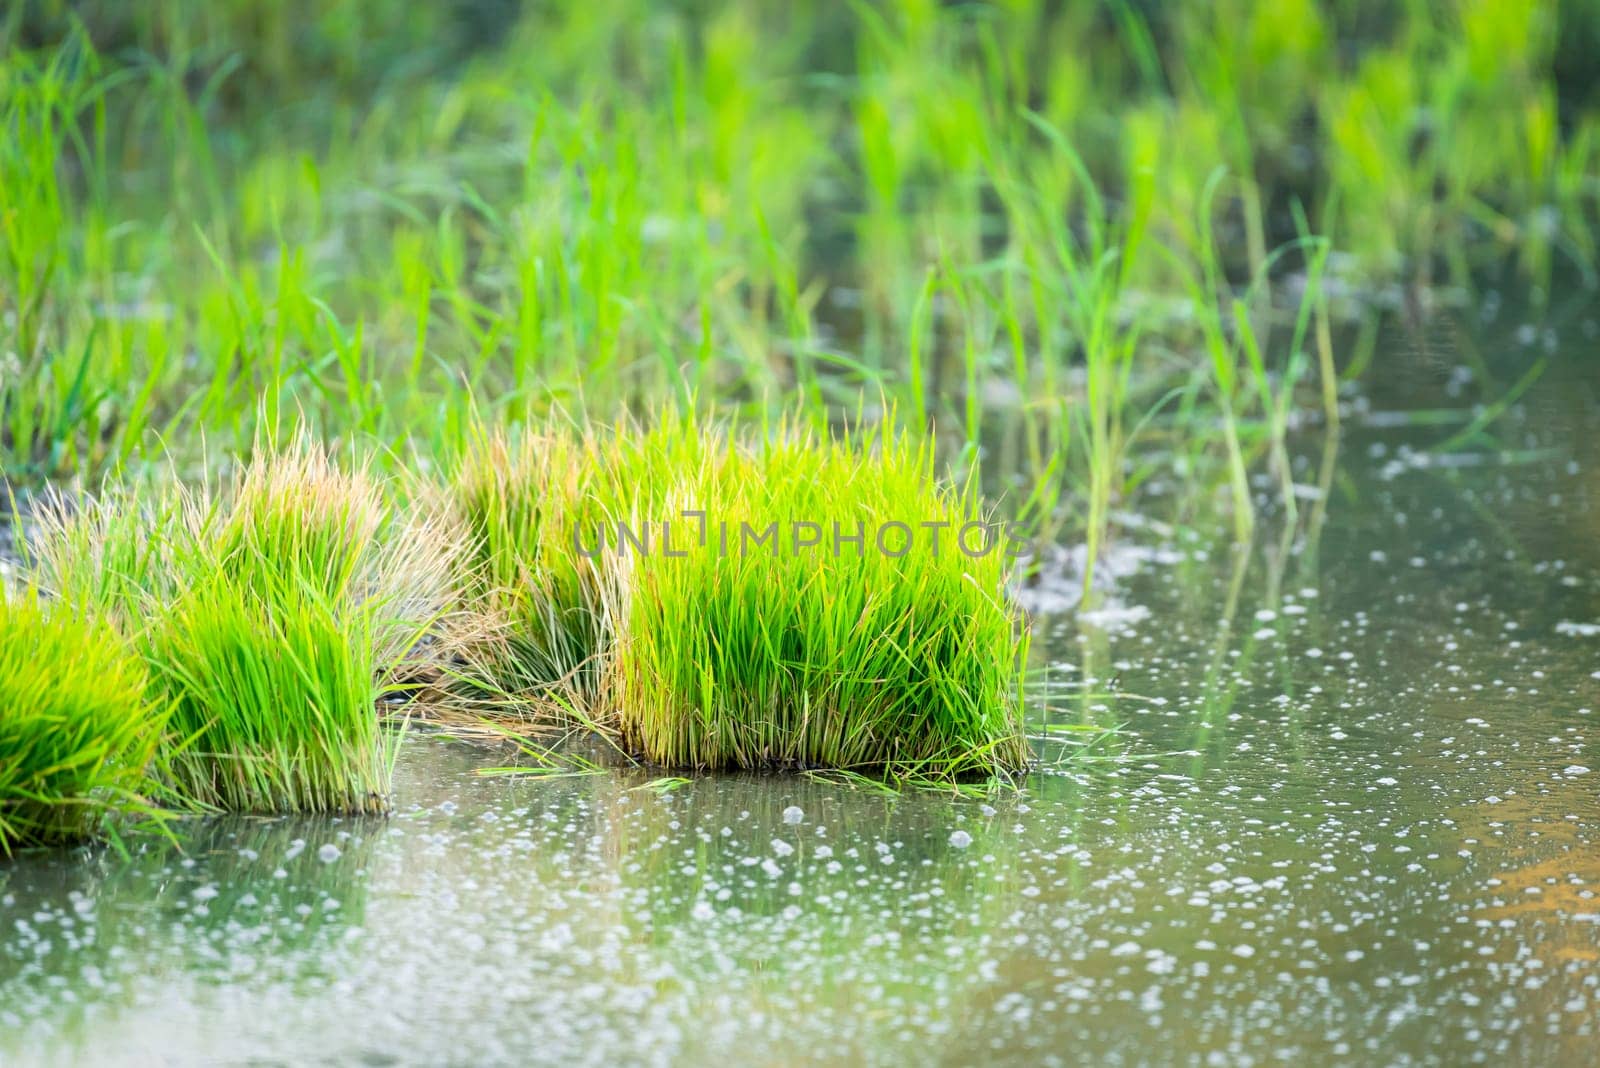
[(1349, 817)]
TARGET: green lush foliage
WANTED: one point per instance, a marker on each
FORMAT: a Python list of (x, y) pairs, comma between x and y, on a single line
[(398, 219), (77, 730)]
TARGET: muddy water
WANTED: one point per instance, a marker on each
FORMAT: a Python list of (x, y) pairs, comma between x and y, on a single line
[(1351, 814)]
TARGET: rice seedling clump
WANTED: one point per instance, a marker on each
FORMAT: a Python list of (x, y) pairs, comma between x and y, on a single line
[(77, 730), (538, 613), (274, 622), (531, 629), (823, 615)]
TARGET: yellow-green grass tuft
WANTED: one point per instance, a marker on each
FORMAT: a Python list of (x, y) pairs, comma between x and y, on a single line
[(77, 727)]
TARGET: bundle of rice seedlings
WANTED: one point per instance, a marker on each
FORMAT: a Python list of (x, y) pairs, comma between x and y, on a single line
[(340, 534), (531, 630), (538, 511), (818, 621), (275, 620), (77, 726)]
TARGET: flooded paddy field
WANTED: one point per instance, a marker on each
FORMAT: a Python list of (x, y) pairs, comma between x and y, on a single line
[(1349, 814), (1272, 321)]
